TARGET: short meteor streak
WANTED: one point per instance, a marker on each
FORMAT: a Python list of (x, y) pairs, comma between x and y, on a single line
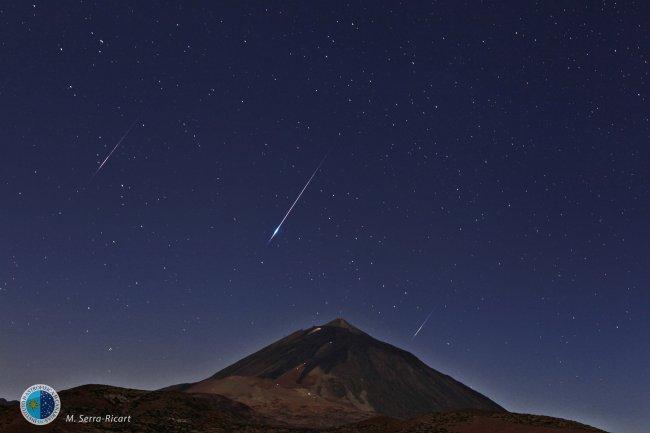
[(277, 229), (116, 146), (422, 326)]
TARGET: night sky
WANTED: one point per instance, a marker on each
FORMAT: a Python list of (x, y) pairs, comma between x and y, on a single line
[(487, 163)]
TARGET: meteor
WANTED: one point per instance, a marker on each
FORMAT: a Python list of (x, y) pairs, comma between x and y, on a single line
[(422, 326), (116, 146), (277, 229)]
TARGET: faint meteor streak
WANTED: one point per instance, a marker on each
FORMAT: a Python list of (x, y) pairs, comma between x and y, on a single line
[(277, 229), (116, 146), (422, 326)]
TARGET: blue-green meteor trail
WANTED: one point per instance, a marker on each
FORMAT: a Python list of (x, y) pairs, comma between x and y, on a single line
[(277, 229)]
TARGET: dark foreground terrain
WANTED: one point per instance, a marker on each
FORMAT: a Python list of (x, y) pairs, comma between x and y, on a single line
[(173, 411)]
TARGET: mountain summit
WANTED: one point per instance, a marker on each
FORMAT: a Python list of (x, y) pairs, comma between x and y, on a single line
[(336, 373), (339, 322)]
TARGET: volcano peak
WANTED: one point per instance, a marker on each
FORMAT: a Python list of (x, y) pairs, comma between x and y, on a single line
[(340, 322), (335, 373)]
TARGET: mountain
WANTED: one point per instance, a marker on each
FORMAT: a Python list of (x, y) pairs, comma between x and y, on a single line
[(4, 402), (332, 378), (335, 374)]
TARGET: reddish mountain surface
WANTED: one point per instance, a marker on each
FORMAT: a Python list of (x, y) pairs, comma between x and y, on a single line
[(178, 412)]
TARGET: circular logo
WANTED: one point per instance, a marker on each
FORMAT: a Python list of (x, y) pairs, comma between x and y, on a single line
[(40, 404)]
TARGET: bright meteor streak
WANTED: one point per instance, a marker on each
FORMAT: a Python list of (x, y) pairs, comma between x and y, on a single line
[(116, 146), (277, 229), (422, 326)]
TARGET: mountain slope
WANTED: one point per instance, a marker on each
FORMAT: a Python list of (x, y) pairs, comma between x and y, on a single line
[(334, 374)]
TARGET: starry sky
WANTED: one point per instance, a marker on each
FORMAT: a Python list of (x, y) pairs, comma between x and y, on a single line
[(487, 165)]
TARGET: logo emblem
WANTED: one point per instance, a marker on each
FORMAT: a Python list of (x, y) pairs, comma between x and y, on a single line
[(40, 404)]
